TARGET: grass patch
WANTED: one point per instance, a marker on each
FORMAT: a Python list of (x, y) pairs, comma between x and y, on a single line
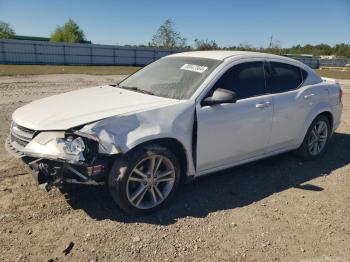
[(10, 70), (337, 74)]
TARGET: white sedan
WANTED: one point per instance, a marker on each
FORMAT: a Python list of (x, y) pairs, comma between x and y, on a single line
[(181, 117)]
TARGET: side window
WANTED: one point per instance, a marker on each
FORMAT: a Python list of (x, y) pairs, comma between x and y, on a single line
[(304, 74), (284, 77), (246, 80)]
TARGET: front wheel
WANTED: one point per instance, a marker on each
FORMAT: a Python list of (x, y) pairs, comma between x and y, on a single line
[(316, 139), (144, 179)]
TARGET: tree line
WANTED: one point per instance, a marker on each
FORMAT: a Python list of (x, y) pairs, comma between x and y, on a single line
[(167, 37), (339, 50), (70, 32)]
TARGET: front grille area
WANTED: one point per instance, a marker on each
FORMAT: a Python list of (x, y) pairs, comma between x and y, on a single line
[(19, 141), (20, 136)]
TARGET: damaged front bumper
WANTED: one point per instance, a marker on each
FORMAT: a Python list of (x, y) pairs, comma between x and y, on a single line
[(52, 172), (57, 157), (55, 173)]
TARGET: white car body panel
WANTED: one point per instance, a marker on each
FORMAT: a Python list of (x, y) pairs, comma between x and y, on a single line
[(119, 134), (64, 111), (287, 123), (227, 134), (232, 132)]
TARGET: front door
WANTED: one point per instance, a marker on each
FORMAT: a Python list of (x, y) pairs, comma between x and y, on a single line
[(229, 133)]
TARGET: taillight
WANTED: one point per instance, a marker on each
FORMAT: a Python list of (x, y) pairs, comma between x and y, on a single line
[(340, 94)]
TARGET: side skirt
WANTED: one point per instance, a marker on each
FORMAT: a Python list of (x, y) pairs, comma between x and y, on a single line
[(244, 161)]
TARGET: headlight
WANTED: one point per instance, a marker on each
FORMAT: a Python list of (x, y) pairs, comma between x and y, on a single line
[(55, 145), (74, 146)]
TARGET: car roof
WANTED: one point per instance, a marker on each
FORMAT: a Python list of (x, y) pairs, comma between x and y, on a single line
[(232, 55), (222, 55)]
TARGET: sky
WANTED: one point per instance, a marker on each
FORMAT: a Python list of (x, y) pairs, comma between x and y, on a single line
[(229, 23)]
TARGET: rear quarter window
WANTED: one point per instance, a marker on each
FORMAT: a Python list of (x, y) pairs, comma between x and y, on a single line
[(304, 74), (285, 77)]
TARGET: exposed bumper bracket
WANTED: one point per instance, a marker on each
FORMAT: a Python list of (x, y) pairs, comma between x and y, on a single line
[(49, 176)]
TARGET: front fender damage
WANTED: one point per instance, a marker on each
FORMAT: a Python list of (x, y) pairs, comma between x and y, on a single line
[(107, 145), (116, 136), (119, 134)]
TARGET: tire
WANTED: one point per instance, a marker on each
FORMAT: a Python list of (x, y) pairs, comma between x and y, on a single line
[(135, 188), (305, 151)]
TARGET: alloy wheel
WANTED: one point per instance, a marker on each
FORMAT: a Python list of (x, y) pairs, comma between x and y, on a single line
[(150, 182), (318, 138)]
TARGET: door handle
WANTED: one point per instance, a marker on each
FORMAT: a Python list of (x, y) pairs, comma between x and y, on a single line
[(263, 105), (308, 96)]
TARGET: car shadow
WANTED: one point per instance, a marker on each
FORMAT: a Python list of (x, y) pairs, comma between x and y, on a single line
[(225, 190)]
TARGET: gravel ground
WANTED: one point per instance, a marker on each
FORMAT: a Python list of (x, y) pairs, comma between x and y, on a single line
[(277, 209)]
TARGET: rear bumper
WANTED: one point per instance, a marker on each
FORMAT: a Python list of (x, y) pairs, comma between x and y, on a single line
[(337, 112)]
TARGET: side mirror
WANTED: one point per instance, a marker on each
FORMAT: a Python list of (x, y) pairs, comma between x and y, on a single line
[(220, 96)]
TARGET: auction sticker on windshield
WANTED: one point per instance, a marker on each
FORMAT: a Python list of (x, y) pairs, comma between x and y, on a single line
[(194, 68)]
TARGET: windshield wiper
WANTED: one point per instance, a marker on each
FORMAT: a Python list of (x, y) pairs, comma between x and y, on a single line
[(134, 88)]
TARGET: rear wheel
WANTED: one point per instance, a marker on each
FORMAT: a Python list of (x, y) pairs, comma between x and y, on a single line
[(316, 140), (144, 180)]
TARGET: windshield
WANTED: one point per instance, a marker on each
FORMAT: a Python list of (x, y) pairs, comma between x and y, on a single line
[(172, 77)]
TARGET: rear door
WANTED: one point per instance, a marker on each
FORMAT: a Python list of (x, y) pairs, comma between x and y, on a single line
[(292, 102)]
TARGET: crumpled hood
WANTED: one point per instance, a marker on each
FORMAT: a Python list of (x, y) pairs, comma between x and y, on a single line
[(64, 111)]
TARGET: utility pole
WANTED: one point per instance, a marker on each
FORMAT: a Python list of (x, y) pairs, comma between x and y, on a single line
[(271, 41)]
